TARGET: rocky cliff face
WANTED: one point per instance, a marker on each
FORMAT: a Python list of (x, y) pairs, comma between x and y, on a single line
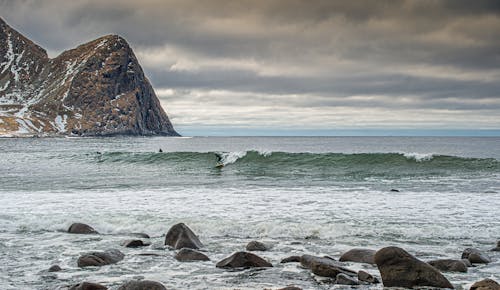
[(96, 89)]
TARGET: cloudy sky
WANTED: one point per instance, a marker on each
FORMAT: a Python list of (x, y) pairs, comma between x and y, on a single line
[(297, 67)]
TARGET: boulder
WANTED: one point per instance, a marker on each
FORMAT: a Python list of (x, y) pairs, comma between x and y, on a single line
[(344, 279), (142, 285), (54, 268), (324, 267), (367, 277), (475, 256), (79, 228), (100, 258), (186, 254), (291, 259), (135, 243), (486, 284), (449, 265), (256, 246), (497, 248), (88, 286), (243, 260), (359, 256), (180, 236), (306, 260), (400, 269)]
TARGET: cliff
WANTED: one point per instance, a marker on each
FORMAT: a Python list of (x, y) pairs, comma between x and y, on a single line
[(96, 89)]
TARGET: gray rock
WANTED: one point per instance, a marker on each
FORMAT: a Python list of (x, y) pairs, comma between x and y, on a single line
[(486, 284), (256, 246), (400, 269), (135, 243), (449, 265), (359, 256), (100, 258), (324, 267), (475, 256), (54, 268), (497, 248), (142, 285), (306, 260), (466, 262), (344, 279), (181, 236), (243, 260), (291, 259), (367, 277), (79, 228), (186, 254), (88, 286)]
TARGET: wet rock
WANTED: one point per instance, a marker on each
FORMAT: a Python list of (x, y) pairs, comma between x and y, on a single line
[(306, 260), (344, 279), (324, 267), (142, 285), (100, 258), (256, 246), (135, 244), (359, 256), (394, 190), (291, 287), (291, 259), (486, 284), (497, 248), (475, 256), (186, 254), (367, 277), (243, 260), (54, 268), (449, 265), (79, 228), (88, 286), (181, 236), (400, 269)]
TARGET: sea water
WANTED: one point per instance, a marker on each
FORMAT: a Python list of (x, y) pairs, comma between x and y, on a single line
[(314, 195)]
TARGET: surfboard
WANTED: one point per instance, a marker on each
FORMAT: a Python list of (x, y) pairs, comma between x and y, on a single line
[(219, 165)]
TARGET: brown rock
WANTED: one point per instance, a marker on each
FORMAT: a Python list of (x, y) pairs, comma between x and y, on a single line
[(306, 260), (400, 269), (186, 254), (243, 260), (359, 256), (135, 244), (100, 258), (88, 286), (343, 279), (325, 267), (291, 259), (486, 284), (79, 228), (181, 236), (256, 246), (475, 256), (367, 277), (449, 265), (142, 285)]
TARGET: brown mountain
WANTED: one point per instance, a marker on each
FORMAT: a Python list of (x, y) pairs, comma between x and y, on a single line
[(96, 89)]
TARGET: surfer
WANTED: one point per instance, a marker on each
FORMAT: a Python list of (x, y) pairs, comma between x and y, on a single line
[(219, 164), (160, 151)]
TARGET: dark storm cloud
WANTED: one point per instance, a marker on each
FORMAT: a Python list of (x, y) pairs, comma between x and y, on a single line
[(442, 55)]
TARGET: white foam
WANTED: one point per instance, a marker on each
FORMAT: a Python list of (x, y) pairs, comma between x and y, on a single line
[(231, 157), (419, 157)]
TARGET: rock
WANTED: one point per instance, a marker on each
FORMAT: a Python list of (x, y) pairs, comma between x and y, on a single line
[(181, 236), (100, 258), (134, 244), (486, 284), (367, 277), (394, 190), (79, 228), (186, 254), (256, 246), (291, 287), (88, 286), (141, 235), (344, 279), (359, 256), (96, 89), (497, 248), (306, 260), (475, 256), (54, 268), (324, 267), (291, 259), (400, 269), (142, 285), (466, 262), (243, 260), (449, 265)]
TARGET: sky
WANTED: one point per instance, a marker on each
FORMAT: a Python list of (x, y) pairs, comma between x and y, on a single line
[(297, 67)]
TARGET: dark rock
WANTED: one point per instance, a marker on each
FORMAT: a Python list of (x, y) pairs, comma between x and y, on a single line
[(142, 285), (135, 244), (306, 260), (394, 190), (367, 277), (486, 284), (256, 246), (475, 256), (79, 228), (186, 254), (344, 279), (497, 248), (54, 268), (291, 287), (291, 259), (88, 286), (243, 260), (449, 265), (359, 256), (100, 258), (181, 236), (325, 267), (400, 269)]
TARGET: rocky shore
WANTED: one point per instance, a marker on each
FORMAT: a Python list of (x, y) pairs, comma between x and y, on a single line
[(391, 266)]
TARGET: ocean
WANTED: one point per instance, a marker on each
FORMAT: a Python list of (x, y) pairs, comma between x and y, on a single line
[(432, 196)]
